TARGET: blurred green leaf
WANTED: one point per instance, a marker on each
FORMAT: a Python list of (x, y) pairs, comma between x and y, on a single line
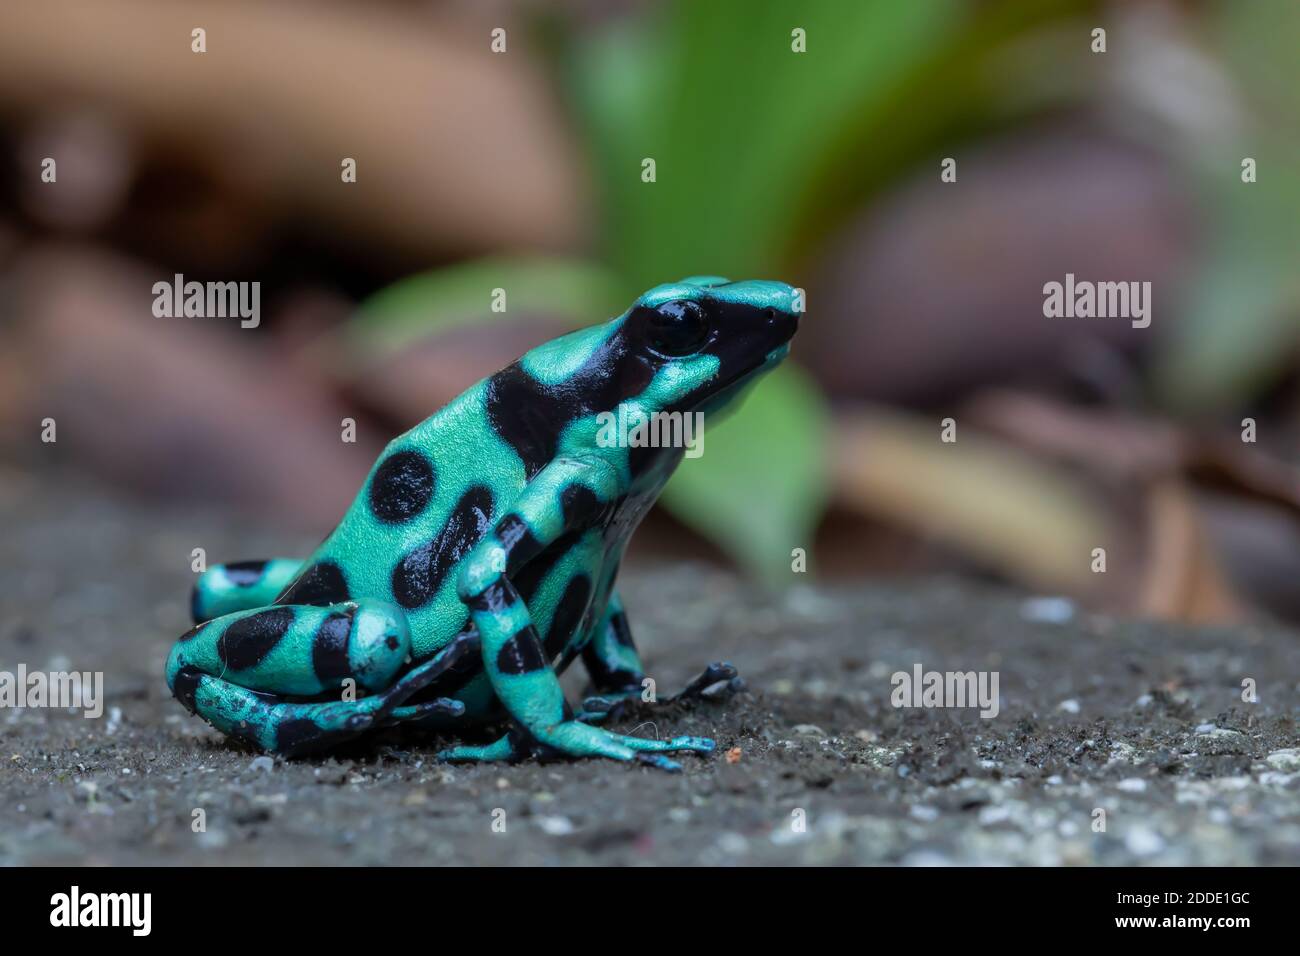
[(738, 123), (760, 485), (759, 149), (1241, 323), (425, 304)]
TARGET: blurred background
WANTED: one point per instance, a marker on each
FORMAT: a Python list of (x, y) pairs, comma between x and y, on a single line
[(522, 169)]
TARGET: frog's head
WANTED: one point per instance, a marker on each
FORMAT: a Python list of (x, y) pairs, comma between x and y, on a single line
[(690, 346), (706, 339)]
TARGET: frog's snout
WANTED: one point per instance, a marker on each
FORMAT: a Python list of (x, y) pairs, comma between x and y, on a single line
[(782, 324), (775, 305)]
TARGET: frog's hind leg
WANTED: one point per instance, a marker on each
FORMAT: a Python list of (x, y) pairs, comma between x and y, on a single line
[(293, 729), (241, 671), (240, 586)]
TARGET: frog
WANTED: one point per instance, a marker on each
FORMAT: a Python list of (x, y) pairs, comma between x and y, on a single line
[(479, 558)]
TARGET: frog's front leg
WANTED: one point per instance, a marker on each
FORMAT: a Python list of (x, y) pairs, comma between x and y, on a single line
[(240, 672), (240, 586), (617, 674), (567, 495)]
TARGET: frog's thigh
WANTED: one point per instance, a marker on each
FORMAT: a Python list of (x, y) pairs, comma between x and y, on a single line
[(299, 649), (240, 586)]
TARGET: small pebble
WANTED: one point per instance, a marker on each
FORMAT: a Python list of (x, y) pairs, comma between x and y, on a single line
[(213, 839), (733, 843), (555, 826), (1220, 741), (1047, 610), (1286, 760), (809, 730), (1141, 840), (994, 813)]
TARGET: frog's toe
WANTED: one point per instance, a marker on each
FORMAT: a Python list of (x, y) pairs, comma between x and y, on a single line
[(442, 707), (718, 679), (697, 744), (659, 761), (501, 749)]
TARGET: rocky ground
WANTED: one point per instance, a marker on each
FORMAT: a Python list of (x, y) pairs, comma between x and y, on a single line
[(1140, 720)]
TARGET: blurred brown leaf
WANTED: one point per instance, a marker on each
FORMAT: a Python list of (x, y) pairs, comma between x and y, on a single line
[(1123, 446), (938, 287), (1028, 520), (182, 408), (1182, 579), (1200, 565), (456, 148)]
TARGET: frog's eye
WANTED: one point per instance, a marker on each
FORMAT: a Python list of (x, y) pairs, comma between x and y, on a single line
[(675, 329)]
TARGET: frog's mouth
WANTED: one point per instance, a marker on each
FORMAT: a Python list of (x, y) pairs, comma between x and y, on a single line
[(764, 365), (774, 357), (728, 394)]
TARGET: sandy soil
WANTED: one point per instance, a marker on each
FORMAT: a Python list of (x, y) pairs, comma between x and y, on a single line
[(1144, 721)]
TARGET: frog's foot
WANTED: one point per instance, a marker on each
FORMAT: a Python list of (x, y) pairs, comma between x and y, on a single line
[(391, 708), (575, 739), (717, 681), (332, 723)]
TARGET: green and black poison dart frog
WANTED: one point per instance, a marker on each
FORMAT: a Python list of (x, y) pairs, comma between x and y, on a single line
[(478, 560)]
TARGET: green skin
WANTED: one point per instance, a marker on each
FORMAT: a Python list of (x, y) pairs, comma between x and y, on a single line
[(478, 560)]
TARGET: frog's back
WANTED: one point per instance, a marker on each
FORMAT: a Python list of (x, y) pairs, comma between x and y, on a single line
[(433, 493)]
